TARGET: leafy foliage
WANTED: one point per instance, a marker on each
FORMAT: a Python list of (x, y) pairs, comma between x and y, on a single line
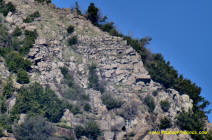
[(5, 40), (75, 109), (165, 105), (32, 17), (79, 131), (15, 62), (109, 27), (70, 29), (91, 130), (149, 101), (3, 107), (129, 110), (5, 123), (17, 32), (74, 92), (93, 79), (191, 121), (15, 43), (6, 8), (159, 70), (77, 9), (1, 132), (29, 40), (111, 102), (165, 123), (43, 1), (35, 100), (22, 77), (35, 128), (8, 89), (72, 41), (92, 14), (87, 107)]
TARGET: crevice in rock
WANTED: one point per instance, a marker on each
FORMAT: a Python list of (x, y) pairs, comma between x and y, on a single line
[(145, 80)]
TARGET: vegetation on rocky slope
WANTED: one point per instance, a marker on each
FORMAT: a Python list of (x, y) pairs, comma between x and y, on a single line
[(162, 72), (35, 99)]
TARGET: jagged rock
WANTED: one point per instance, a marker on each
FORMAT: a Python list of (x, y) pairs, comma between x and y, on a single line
[(68, 117), (30, 28), (33, 52), (117, 123), (187, 102), (109, 135), (7, 138), (22, 118), (11, 103), (41, 41)]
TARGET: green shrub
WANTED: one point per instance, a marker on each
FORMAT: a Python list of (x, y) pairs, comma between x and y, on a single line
[(33, 129), (70, 29), (31, 34), (3, 107), (138, 46), (5, 39), (209, 135), (92, 14), (32, 17), (29, 40), (5, 123), (36, 100), (109, 27), (93, 79), (64, 71), (41, 1), (15, 43), (165, 105), (74, 92), (190, 121), (22, 77), (79, 131), (87, 107), (6, 8), (1, 132), (8, 89), (149, 101), (17, 32), (111, 102), (130, 110), (165, 123), (77, 8), (72, 41), (73, 108), (15, 62), (91, 130), (155, 93)]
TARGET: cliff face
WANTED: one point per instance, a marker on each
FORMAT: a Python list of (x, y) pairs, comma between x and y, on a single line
[(118, 67)]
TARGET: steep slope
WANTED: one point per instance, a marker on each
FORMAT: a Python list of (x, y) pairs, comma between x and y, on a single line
[(119, 69)]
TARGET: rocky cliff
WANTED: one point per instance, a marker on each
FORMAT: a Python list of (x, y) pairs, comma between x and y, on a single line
[(118, 66)]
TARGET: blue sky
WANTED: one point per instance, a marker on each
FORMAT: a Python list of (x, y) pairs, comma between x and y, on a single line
[(181, 31)]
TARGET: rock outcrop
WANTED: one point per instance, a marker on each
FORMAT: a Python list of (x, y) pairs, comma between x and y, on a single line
[(118, 66)]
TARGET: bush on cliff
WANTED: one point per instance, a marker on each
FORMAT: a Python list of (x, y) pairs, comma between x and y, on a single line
[(33, 129), (22, 77), (36, 100)]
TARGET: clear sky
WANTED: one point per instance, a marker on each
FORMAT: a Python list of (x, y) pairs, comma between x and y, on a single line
[(181, 31)]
